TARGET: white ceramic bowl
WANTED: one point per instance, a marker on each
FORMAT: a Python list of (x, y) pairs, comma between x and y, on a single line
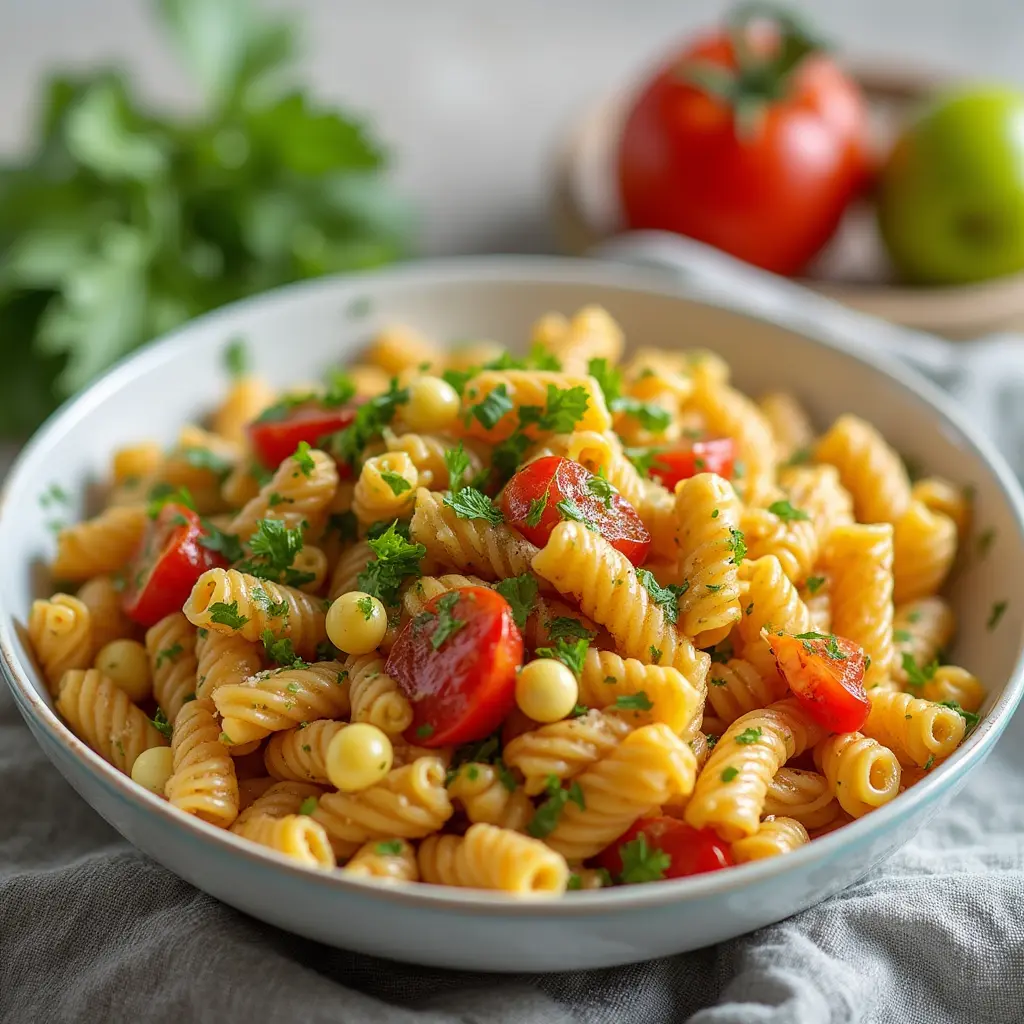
[(293, 334)]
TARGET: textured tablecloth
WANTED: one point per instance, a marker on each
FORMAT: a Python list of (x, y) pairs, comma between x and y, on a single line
[(93, 932)]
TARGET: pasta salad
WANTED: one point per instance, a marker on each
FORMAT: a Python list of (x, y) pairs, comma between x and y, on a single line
[(537, 624)]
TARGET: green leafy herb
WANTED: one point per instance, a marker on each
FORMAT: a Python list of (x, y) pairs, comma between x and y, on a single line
[(814, 583), (722, 652), (642, 863), (447, 625), (390, 848), (602, 490), (656, 653), (540, 358), (902, 636), (917, 675), (749, 736), (396, 560), (303, 459), (397, 482), (985, 541), (160, 722), (608, 378), (124, 220), (491, 408), (643, 459), (545, 819), (649, 415), (638, 701), (280, 650), (568, 509), (667, 598), (457, 462), (998, 610), (508, 454), (569, 652), (371, 418), (786, 512), (564, 409), (217, 540), (308, 806), (712, 740), (460, 378), (520, 592), (341, 389), (273, 547), (737, 545), (204, 458), (164, 494), (578, 711), (227, 615), (568, 628), (365, 606), (800, 457), (729, 773), (469, 503), (425, 731), (536, 509), (168, 654), (54, 495), (928, 764)]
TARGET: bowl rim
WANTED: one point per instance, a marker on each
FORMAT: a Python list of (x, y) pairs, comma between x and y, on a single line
[(567, 271)]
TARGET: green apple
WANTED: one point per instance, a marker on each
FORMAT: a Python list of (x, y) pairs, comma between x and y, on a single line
[(951, 196)]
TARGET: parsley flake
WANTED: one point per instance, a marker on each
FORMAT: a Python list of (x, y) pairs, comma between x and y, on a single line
[(303, 459), (281, 650), (447, 625), (969, 717), (396, 560), (390, 848), (469, 503), (667, 598), (568, 509), (491, 408), (520, 592), (397, 482), (638, 701), (749, 736), (546, 817), (813, 584), (227, 615), (599, 487), (457, 463), (642, 863), (786, 512), (163, 726), (168, 654), (917, 675), (998, 609), (570, 653), (308, 806), (729, 773), (536, 510)]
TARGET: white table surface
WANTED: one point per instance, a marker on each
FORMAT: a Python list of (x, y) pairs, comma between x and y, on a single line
[(472, 95)]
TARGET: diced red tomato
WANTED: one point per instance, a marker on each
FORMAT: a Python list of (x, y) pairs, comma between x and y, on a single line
[(166, 566), (692, 851), (532, 498), (826, 674), (716, 455), (276, 434), (462, 688)]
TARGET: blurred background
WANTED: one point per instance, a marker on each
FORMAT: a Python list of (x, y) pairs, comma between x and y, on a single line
[(468, 100)]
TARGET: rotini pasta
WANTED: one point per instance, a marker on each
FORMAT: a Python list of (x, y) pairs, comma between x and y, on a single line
[(387, 860), (862, 773), (775, 836), (203, 782), (100, 545), (924, 546), (917, 731), (171, 646), (61, 633)]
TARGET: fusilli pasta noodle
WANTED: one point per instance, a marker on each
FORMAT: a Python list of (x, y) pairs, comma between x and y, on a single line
[(917, 731), (204, 782), (862, 773), (775, 836), (60, 630), (100, 545), (924, 546), (390, 860), (171, 646)]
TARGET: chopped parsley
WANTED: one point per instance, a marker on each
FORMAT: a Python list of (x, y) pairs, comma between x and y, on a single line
[(458, 379), (917, 675), (566, 627), (568, 509), (545, 819), (281, 650), (729, 773), (998, 609), (902, 636), (985, 541), (469, 503), (273, 548), (425, 731), (832, 648), (168, 654), (540, 358), (489, 410), (813, 584), (722, 652), (656, 653), (164, 494), (609, 380), (371, 418), (666, 598), (447, 625), (570, 653), (227, 615), (163, 726), (365, 606), (786, 512), (564, 409), (391, 848), (236, 358), (303, 459), (928, 764), (642, 863), (800, 457), (275, 609), (308, 806), (204, 458), (54, 495), (749, 736), (638, 701), (345, 525), (520, 592), (643, 459), (341, 388), (599, 487), (649, 415), (737, 545), (397, 482), (396, 560), (457, 463), (536, 510)]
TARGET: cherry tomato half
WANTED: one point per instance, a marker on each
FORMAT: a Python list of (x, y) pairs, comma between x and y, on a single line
[(717, 455), (457, 662), (166, 565), (276, 434), (756, 149), (691, 851), (826, 674), (553, 488)]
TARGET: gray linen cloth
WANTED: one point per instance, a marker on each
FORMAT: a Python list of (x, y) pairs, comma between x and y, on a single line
[(92, 931)]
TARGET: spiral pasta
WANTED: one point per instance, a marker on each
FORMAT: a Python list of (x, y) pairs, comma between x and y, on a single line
[(651, 766), (590, 334), (171, 646), (409, 803), (400, 347), (223, 659), (61, 633), (920, 630), (106, 616), (386, 487), (486, 796), (869, 469), (203, 782), (488, 857), (733, 785), (352, 562), (805, 796), (375, 696), (582, 564), (863, 774), (228, 601), (818, 491), (860, 560), (641, 693), (100, 545), (273, 701), (426, 452), (296, 836), (790, 425), (924, 546), (299, 492), (198, 464), (775, 837), (941, 496), (389, 860), (736, 687), (101, 715), (917, 731), (247, 397), (469, 545), (951, 683), (300, 754), (772, 602), (794, 542)]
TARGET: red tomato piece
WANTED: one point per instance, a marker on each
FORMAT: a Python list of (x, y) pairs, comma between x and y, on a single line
[(826, 674), (716, 455), (762, 167), (276, 434), (532, 497), (457, 662), (691, 851), (166, 566)]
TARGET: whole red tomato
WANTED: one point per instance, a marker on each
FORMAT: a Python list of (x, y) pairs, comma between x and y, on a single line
[(751, 140)]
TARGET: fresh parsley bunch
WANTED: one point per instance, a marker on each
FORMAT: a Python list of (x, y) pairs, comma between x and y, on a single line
[(123, 222)]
